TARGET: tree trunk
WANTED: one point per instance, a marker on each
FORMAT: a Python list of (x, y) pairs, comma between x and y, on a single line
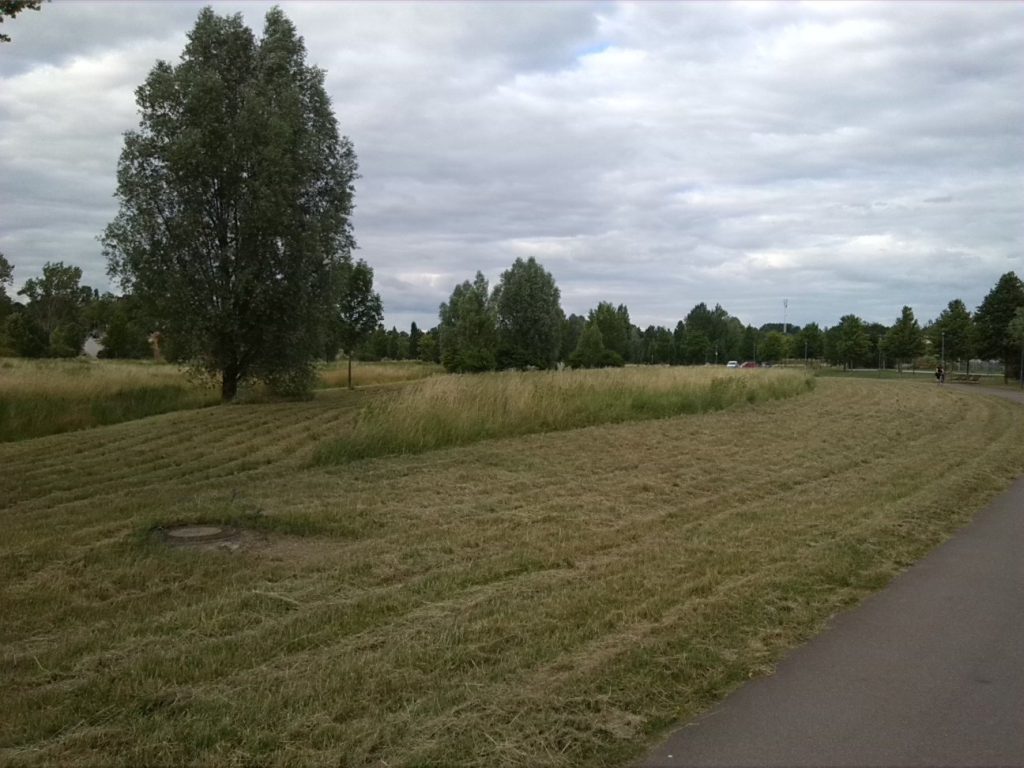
[(229, 384), (350, 370)]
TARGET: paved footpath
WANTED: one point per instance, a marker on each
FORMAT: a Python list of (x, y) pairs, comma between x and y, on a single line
[(927, 672)]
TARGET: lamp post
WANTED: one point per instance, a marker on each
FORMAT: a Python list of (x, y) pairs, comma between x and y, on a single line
[(943, 336)]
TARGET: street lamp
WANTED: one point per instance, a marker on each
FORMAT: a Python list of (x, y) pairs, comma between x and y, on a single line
[(943, 336)]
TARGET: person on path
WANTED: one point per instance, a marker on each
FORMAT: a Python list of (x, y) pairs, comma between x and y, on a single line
[(940, 375)]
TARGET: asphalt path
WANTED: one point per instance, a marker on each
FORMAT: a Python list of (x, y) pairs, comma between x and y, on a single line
[(927, 672)]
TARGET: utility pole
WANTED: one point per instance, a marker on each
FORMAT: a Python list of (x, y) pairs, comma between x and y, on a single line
[(785, 317)]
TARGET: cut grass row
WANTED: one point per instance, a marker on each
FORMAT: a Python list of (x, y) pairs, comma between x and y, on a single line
[(550, 600), (46, 397)]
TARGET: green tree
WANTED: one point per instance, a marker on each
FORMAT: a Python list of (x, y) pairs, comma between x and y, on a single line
[(775, 347), (235, 195), (430, 351), (467, 334), (993, 318), (357, 310), (11, 8), (572, 328), (6, 281), (905, 340), (953, 334), (614, 327), (1015, 330), (26, 337), (852, 343), (57, 298), (808, 343), (415, 335), (529, 316), (590, 349)]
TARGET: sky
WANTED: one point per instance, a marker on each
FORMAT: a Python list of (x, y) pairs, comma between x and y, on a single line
[(791, 161)]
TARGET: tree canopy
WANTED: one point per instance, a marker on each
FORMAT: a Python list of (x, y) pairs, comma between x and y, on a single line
[(468, 332), (235, 195), (528, 315), (993, 317)]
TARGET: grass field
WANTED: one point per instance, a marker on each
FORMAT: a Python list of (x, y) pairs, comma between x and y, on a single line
[(457, 410), (47, 397), (549, 600)]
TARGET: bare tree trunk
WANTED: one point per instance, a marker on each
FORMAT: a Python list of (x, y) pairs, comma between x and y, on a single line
[(350, 370)]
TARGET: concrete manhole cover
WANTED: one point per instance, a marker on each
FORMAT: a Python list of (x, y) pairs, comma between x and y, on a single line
[(203, 535)]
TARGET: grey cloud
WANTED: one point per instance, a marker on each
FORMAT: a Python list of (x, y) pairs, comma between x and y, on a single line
[(853, 156)]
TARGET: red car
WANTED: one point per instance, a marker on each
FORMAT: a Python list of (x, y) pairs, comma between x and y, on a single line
[(750, 364)]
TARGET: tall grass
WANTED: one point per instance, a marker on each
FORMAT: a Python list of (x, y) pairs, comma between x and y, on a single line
[(457, 410), (365, 374), (46, 397)]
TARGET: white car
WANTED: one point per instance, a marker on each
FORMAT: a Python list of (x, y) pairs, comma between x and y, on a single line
[(732, 364)]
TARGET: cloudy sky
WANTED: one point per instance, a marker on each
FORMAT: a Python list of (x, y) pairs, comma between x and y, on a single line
[(846, 157)]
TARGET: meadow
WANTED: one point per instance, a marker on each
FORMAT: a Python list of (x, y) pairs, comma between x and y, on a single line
[(45, 397), (549, 599)]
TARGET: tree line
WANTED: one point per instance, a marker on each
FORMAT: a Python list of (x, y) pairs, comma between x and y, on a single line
[(520, 324)]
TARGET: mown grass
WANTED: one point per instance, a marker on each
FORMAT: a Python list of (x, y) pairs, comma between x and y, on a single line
[(458, 410), (47, 397), (550, 600)]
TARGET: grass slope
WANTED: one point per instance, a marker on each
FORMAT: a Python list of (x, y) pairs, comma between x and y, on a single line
[(549, 600)]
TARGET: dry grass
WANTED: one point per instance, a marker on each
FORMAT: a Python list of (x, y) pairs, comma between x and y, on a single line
[(458, 410), (45, 397), (550, 600), (368, 374)]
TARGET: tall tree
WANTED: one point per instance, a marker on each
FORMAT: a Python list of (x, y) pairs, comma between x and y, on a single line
[(235, 194), (358, 309), (905, 340), (467, 333), (993, 318), (415, 334), (529, 316), (953, 334)]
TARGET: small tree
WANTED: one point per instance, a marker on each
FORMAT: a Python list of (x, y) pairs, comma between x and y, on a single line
[(851, 341), (358, 309), (905, 340), (953, 333), (26, 337), (775, 347)]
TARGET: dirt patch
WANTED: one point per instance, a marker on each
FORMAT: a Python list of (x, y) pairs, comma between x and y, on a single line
[(211, 537), (208, 537)]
